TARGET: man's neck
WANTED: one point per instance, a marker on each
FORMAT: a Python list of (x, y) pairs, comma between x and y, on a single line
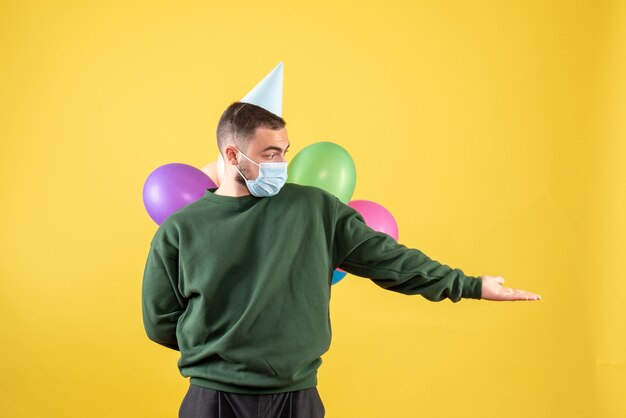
[(230, 187)]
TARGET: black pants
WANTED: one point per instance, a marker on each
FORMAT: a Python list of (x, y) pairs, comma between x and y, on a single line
[(200, 402)]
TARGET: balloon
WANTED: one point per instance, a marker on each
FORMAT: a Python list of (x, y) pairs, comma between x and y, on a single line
[(376, 216), (338, 274), (172, 186), (325, 165), (220, 168), (211, 170)]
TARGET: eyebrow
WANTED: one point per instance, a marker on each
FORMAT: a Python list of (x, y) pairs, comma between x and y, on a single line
[(275, 148)]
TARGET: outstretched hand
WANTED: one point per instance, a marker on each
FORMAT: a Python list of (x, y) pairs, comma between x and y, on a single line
[(493, 290)]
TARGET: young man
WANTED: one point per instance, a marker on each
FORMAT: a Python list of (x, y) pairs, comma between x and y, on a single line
[(239, 281)]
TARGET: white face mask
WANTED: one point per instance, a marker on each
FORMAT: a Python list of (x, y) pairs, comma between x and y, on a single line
[(271, 178)]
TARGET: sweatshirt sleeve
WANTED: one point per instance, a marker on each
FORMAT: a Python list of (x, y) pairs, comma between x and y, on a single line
[(360, 250), (162, 304)]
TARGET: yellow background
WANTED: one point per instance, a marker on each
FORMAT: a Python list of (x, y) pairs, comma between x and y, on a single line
[(493, 131)]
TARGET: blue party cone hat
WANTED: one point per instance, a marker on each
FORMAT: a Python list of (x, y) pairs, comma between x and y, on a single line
[(268, 94)]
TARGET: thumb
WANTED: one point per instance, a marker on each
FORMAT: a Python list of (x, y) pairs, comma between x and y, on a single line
[(500, 279)]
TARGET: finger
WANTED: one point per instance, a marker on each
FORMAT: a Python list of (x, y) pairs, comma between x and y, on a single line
[(500, 279), (524, 295), (508, 294), (531, 295)]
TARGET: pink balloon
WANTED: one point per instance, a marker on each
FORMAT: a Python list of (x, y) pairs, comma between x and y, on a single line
[(376, 216)]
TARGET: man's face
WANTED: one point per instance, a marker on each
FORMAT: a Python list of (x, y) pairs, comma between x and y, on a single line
[(266, 146)]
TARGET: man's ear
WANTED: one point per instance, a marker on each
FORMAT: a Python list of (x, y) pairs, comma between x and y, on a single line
[(231, 154)]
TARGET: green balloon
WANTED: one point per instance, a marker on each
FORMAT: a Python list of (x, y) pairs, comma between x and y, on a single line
[(325, 165)]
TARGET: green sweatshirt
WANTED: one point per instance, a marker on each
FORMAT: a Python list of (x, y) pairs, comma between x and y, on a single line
[(241, 285)]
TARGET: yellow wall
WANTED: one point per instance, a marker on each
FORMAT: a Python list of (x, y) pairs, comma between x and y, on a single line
[(493, 131)]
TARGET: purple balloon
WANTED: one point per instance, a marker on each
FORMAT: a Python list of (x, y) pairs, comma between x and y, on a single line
[(376, 216), (172, 186)]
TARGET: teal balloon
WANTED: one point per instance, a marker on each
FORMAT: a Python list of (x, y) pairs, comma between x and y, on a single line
[(338, 274), (325, 165)]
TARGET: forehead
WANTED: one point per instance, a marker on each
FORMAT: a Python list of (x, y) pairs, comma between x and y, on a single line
[(266, 137)]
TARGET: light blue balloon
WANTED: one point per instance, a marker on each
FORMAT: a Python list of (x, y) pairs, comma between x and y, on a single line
[(337, 276)]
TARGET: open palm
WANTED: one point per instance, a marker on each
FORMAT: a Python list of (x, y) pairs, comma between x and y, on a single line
[(492, 289)]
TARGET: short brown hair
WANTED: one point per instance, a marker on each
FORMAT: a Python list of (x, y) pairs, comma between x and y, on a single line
[(239, 122)]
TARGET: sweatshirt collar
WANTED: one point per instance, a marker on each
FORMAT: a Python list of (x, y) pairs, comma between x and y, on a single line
[(230, 201)]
